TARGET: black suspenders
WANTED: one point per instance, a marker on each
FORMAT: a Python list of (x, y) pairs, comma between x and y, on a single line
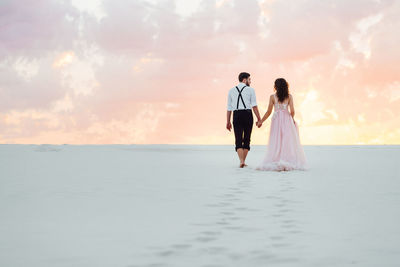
[(241, 97)]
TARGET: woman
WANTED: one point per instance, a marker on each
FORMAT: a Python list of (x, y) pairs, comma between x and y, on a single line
[(284, 151)]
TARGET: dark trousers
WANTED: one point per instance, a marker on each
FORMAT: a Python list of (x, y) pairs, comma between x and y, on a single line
[(242, 126)]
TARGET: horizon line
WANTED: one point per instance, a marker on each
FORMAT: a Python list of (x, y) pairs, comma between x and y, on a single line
[(177, 144)]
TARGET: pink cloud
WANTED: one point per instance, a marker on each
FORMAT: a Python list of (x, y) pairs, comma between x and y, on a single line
[(33, 27), (167, 76)]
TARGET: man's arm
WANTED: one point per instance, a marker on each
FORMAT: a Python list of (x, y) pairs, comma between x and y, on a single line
[(255, 109), (228, 120), (253, 101), (228, 113)]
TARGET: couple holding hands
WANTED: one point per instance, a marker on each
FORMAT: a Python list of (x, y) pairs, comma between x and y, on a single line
[(284, 150)]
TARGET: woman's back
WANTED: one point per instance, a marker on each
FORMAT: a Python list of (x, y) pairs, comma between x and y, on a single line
[(281, 105)]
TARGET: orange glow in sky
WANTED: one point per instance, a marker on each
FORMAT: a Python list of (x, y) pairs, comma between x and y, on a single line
[(158, 72)]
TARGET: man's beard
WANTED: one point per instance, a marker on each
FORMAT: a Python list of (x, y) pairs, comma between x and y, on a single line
[(247, 83)]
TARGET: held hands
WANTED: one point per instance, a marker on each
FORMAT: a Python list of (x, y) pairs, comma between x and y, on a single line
[(259, 124)]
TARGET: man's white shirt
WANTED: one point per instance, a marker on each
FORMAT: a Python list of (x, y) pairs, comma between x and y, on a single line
[(248, 94)]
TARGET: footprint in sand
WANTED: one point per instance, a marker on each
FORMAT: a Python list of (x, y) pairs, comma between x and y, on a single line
[(280, 205), (211, 233), (285, 190), (166, 253), (223, 222), (233, 227), (213, 249), (181, 246), (277, 237), (280, 244), (294, 232), (262, 255), (204, 239), (227, 213), (207, 236), (155, 265), (284, 210), (288, 226), (271, 197), (212, 265), (242, 208), (236, 190), (277, 215)]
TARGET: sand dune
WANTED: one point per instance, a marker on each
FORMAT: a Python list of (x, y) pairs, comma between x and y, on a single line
[(130, 206)]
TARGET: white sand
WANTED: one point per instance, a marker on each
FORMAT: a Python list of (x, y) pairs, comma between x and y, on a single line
[(191, 206)]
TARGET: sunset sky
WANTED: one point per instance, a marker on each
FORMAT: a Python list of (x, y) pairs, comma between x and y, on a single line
[(158, 72)]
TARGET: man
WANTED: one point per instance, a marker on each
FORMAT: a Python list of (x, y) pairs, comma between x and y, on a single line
[(241, 100)]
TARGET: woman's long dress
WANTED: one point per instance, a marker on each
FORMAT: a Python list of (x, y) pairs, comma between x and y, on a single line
[(284, 150)]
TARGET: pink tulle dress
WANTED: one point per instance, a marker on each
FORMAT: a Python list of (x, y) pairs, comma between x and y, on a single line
[(284, 152)]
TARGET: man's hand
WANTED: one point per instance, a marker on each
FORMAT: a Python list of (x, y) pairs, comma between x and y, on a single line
[(229, 126), (259, 124)]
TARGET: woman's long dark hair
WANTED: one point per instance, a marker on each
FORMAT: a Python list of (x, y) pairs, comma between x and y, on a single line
[(282, 89)]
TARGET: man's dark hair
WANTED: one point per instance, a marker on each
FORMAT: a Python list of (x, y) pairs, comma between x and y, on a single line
[(243, 75)]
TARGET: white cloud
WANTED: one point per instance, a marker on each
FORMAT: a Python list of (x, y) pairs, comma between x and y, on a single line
[(361, 39), (93, 7), (26, 68), (392, 91)]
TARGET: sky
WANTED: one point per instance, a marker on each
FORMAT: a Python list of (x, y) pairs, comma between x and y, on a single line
[(158, 72)]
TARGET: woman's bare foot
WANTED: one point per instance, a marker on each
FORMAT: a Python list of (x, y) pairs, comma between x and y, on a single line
[(242, 164)]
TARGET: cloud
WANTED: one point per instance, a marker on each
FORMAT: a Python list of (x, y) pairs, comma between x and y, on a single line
[(142, 71), (32, 32), (28, 83), (33, 27)]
